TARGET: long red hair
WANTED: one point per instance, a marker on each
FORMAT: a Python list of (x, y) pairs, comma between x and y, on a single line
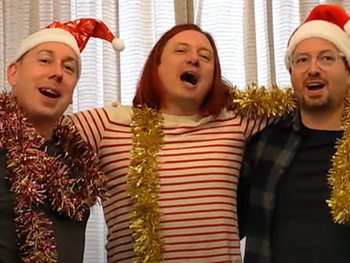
[(149, 90)]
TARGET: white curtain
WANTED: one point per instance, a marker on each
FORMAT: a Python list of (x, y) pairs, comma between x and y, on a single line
[(251, 36)]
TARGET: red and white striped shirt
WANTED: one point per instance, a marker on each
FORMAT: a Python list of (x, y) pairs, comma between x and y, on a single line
[(199, 169)]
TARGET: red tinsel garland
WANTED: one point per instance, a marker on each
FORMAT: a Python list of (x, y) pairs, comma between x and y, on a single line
[(36, 178)]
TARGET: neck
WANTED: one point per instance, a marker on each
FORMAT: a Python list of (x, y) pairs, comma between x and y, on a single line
[(177, 109), (44, 129), (322, 120)]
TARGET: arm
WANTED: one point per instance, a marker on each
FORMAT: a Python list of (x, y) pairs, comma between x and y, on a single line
[(252, 126), (255, 103), (91, 124), (259, 107)]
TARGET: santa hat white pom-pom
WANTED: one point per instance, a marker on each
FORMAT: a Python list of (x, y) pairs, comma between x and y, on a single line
[(118, 44)]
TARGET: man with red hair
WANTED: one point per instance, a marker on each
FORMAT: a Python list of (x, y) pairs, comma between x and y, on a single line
[(172, 160)]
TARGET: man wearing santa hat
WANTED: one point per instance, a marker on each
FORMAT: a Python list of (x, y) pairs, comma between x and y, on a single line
[(49, 176), (295, 177)]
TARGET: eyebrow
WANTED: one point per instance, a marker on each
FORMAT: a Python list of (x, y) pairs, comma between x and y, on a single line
[(68, 58), (187, 45), (322, 51)]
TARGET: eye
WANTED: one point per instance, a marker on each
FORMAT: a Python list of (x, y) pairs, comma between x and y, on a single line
[(301, 60), (69, 68), (45, 61), (328, 58), (205, 57), (180, 51)]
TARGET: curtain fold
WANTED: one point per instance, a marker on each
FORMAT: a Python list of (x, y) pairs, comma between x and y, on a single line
[(184, 11)]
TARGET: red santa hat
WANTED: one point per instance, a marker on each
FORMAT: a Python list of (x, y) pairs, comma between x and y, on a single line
[(326, 21), (74, 34)]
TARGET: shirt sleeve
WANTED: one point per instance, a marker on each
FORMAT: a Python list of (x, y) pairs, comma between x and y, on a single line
[(91, 124), (252, 126)]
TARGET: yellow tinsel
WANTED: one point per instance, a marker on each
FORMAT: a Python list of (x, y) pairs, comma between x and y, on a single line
[(148, 138), (143, 184), (339, 174), (254, 102), (143, 178)]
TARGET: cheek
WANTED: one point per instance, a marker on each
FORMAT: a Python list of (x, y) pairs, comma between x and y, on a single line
[(24, 93), (32, 80), (297, 82), (340, 84), (348, 79), (209, 77), (167, 68), (69, 91), (23, 83), (165, 82), (69, 84)]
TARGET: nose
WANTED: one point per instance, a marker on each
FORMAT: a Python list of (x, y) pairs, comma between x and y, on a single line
[(314, 68), (56, 71), (193, 58)]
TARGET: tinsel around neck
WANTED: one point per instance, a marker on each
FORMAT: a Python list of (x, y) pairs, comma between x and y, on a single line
[(70, 183)]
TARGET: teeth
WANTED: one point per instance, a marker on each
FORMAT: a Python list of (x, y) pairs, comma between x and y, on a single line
[(189, 77), (50, 91)]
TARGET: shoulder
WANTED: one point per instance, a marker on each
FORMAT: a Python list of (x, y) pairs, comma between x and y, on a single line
[(111, 114), (118, 113), (276, 127), (227, 114)]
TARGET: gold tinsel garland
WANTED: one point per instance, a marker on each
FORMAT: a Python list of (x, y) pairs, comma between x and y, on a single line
[(143, 177), (143, 184), (70, 188), (339, 174), (254, 102)]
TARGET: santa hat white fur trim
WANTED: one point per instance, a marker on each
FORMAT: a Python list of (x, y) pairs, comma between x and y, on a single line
[(45, 36), (320, 29), (49, 35)]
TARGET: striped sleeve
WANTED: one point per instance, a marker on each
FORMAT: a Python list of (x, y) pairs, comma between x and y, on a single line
[(91, 124), (252, 126)]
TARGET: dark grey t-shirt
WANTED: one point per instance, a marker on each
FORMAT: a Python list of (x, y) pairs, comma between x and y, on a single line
[(69, 234), (302, 229)]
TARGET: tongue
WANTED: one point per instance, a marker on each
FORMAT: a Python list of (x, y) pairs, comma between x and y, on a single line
[(190, 78)]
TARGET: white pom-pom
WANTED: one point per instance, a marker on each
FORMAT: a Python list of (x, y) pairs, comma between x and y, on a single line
[(118, 44)]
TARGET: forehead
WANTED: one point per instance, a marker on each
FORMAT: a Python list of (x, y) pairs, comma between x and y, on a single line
[(191, 37), (314, 45), (56, 49)]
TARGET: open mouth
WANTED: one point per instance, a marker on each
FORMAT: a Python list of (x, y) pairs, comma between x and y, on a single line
[(189, 77), (315, 86), (49, 93)]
